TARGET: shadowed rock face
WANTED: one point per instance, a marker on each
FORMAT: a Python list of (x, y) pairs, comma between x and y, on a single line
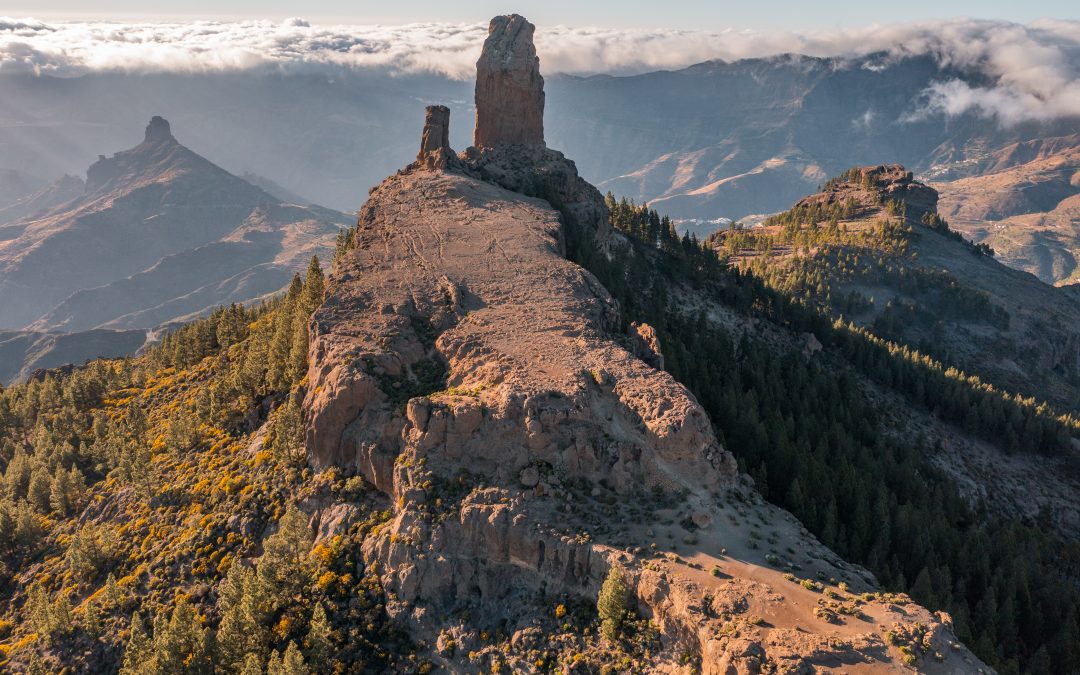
[(158, 130), (509, 88)]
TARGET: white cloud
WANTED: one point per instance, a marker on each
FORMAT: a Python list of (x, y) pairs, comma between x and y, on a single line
[(1026, 71)]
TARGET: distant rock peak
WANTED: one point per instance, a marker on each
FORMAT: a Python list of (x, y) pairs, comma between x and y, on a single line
[(158, 131), (509, 87), (879, 185)]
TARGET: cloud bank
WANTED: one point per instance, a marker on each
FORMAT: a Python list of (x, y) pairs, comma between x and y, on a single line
[(1026, 72)]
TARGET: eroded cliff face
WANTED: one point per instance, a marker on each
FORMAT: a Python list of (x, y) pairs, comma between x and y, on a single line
[(466, 369)]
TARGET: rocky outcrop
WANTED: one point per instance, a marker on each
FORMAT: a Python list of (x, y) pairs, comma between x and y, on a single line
[(897, 183), (647, 344), (435, 152), (881, 184), (509, 87), (466, 369), (509, 147), (158, 131)]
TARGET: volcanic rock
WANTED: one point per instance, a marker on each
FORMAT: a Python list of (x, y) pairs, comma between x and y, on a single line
[(158, 131), (647, 344), (435, 149), (509, 88)]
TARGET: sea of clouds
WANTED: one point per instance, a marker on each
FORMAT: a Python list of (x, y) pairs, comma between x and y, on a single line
[(1031, 72)]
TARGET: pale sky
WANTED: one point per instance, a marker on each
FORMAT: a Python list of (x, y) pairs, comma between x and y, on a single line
[(683, 14)]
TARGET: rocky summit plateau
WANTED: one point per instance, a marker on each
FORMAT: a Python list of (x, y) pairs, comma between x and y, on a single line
[(457, 344)]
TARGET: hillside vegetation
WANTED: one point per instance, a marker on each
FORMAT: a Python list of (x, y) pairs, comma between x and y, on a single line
[(819, 440), (151, 508), (148, 516)]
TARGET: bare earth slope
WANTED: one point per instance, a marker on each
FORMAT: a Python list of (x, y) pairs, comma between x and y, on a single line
[(469, 371), (1026, 206)]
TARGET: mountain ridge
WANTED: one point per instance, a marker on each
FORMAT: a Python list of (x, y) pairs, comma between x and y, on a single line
[(139, 210), (422, 370)]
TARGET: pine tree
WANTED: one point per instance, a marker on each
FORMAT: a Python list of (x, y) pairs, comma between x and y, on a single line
[(611, 603), (285, 566), (242, 630), (38, 493), (282, 340), (181, 644), (319, 642), (273, 665), (298, 357), (91, 621), (139, 648), (59, 491), (111, 593), (252, 665), (292, 663), (36, 666), (40, 610), (314, 288)]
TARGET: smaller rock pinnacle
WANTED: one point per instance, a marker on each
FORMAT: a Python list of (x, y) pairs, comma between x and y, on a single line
[(436, 131)]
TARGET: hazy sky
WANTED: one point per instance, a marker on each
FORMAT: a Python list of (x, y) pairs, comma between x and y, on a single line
[(688, 14)]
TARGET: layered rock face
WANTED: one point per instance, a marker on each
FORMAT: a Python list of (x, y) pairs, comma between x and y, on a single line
[(476, 377), (509, 88)]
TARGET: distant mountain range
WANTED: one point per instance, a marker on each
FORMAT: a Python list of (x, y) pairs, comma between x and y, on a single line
[(156, 234), (23, 353), (715, 140), (1024, 201)]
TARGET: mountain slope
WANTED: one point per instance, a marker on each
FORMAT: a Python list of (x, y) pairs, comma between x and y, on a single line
[(160, 218), (1025, 203), (24, 352), (15, 185), (872, 249)]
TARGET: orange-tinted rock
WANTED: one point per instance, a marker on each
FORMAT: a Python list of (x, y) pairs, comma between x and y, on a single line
[(435, 141), (509, 88)]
